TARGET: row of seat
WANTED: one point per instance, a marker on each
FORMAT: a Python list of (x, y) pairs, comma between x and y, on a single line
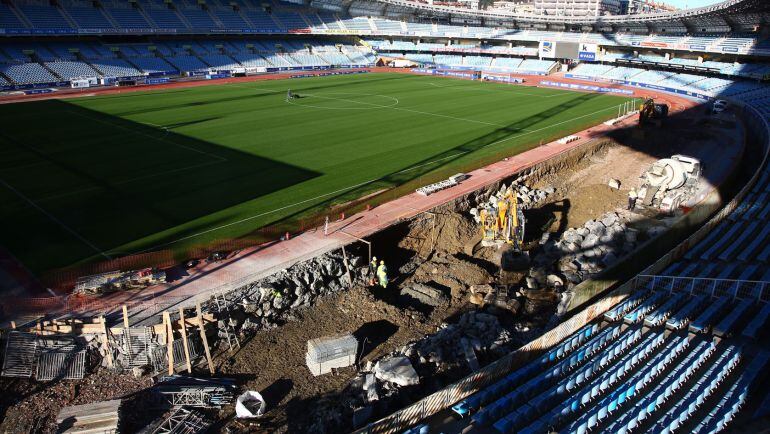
[(575, 402), (663, 364), (65, 70), (628, 381)]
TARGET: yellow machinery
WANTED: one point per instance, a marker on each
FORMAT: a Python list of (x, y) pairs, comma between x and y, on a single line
[(502, 222), (651, 112)]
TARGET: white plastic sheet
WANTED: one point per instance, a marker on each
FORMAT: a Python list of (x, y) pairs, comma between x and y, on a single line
[(246, 404)]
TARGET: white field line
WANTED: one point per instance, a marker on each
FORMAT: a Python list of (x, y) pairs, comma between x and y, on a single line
[(54, 219), (130, 180), (365, 182), (161, 139), (410, 110), (506, 139), (480, 89), (392, 107)]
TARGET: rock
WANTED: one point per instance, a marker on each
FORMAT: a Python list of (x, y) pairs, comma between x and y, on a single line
[(397, 370), (590, 241), (573, 277), (614, 184), (554, 280), (609, 219), (550, 190), (249, 326), (531, 282), (138, 371), (422, 294), (316, 285)]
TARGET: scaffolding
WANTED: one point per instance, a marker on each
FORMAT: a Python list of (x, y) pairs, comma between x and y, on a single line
[(179, 391), (183, 421)]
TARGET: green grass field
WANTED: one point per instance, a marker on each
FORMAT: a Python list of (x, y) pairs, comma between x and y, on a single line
[(89, 178)]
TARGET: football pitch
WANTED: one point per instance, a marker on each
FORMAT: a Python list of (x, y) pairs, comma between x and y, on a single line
[(93, 178)]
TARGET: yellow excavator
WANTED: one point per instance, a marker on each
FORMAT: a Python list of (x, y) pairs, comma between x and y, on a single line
[(650, 112), (502, 224)]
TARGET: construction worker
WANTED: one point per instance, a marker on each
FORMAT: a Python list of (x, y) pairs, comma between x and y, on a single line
[(373, 271), (382, 274), (632, 197)]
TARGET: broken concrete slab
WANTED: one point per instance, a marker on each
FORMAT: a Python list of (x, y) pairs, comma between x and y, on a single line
[(420, 293), (397, 370)]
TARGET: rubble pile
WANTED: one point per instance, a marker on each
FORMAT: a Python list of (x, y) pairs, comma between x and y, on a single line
[(527, 197), (481, 331), (581, 252), (264, 303)]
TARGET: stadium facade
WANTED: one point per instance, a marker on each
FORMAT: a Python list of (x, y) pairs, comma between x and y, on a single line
[(682, 352)]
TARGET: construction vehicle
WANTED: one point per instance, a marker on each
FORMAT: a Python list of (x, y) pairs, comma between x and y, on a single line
[(502, 222), (652, 113), (670, 183), (502, 225)]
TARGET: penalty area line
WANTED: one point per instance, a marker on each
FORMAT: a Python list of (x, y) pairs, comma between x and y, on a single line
[(54, 219)]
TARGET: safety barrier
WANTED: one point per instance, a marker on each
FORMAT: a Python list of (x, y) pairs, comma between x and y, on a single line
[(736, 289)]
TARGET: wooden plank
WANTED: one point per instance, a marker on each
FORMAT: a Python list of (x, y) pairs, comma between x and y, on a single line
[(106, 341), (169, 341), (203, 338), (125, 317), (86, 410), (184, 341)]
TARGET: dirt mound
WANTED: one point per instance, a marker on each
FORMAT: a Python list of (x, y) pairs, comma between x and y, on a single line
[(444, 232), (451, 273)]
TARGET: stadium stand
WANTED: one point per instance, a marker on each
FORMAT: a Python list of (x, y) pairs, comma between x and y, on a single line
[(114, 68), (68, 70), (638, 369), (26, 73)]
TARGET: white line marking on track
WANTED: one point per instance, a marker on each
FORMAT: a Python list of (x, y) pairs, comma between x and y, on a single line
[(53, 218)]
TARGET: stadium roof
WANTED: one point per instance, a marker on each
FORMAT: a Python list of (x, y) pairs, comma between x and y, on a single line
[(737, 15)]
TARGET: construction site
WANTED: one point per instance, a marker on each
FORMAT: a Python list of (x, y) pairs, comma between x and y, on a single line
[(346, 337)]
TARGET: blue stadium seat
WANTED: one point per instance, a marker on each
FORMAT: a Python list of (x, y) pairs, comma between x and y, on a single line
[(725, 327)]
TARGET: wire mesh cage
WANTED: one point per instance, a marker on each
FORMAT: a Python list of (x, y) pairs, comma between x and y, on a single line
[(333, 347)]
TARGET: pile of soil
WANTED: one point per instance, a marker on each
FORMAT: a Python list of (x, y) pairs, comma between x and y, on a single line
[(31, 406)]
